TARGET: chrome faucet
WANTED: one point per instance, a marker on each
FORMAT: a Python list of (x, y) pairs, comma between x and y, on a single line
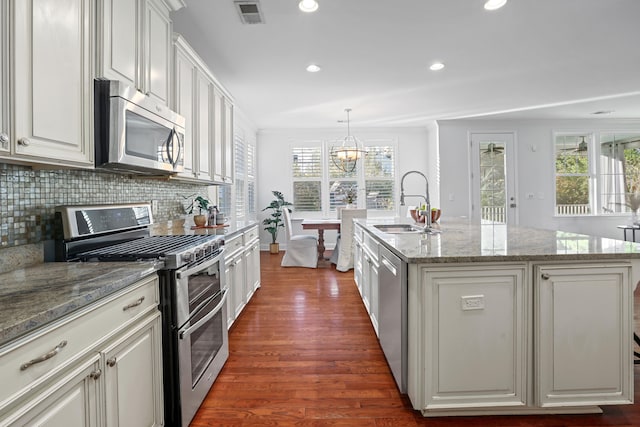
[(427, 200)]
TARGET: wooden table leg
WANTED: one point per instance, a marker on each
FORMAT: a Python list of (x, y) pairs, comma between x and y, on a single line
[(320, 244)]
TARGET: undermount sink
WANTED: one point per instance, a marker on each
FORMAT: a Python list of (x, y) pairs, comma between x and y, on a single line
[(400, 228)]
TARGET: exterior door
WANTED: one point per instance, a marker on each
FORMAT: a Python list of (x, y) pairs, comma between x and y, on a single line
[(493, 179)]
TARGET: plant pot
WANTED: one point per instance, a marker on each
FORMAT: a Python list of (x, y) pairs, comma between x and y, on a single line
[(200, 220), (274, 248)]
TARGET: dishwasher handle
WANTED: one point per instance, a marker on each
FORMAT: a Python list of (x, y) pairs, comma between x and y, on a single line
[(392, 268)]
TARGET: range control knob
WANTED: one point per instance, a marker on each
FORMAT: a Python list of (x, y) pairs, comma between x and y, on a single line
[(188, 257)]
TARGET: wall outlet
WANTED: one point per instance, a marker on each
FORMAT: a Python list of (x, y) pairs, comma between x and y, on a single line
[(154, 207), (472, 302)]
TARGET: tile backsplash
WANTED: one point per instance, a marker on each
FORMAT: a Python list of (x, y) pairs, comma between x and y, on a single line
[(28, 198)]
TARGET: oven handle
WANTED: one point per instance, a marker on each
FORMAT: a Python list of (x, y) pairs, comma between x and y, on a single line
[(206, 318), (200, 267)]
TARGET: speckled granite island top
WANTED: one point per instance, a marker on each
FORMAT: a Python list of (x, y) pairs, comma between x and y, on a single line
[(34, 296), (461, 241)]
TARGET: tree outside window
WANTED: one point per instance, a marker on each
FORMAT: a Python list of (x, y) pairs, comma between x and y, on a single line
[(573, 179)]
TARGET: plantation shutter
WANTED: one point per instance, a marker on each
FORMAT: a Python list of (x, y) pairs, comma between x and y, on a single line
[(306, 167), (379, 175)]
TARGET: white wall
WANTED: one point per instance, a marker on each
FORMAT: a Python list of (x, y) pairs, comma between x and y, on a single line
[(534, 170), (415, 146)]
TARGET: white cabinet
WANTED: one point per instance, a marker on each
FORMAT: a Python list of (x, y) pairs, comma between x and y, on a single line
[(4, 78), (366, 268), (133, 378), (193, 98), (52, 98), (582, 319), (223, 137), (468, 337), (102, 361), (134, 45), (242, 270), (72, 401)]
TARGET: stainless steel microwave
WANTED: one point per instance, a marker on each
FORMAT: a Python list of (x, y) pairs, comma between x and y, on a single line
[(134, 134)]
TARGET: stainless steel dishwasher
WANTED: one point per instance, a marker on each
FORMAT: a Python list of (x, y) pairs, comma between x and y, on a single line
[(392, 312)]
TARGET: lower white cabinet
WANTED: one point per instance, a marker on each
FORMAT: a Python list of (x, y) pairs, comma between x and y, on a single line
[(133, 378), (468, 337), (99, 366), (242, 270), (366, 267), (583, 324)]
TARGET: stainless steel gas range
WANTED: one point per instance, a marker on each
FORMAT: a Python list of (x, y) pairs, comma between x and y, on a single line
[(193, 291)]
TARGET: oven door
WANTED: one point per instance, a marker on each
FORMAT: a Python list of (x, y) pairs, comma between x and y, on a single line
[(203, 349)]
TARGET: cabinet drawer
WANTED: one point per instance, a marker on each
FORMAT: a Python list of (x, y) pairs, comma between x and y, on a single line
[(233, 244), (250, 235), (71, 338), (358, 233), (371, 244)]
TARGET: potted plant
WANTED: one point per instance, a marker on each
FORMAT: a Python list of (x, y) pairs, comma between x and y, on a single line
[(201, 204), (275, 220)]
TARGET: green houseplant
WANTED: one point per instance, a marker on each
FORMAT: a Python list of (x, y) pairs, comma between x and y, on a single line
[(274, 221), (201, 204)]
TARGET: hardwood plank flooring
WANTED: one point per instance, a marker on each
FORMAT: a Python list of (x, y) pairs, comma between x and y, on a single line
[(304, 353)]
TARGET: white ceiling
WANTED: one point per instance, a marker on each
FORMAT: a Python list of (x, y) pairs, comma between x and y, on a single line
[(573, 57)]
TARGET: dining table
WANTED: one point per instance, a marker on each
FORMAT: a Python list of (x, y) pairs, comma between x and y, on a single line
[(321, 225)]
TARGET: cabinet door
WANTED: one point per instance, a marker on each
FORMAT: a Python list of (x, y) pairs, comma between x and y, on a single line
[(218, 135), (4, 78), (238, 284), (157, 51), (133, 377), (118, 45), (583, 335), (203, 123), (71, 401), (228, 142), (358, 259), (252, 267), (373, 299), (229, 271), (184, 105), (474, 332), (53, 81)]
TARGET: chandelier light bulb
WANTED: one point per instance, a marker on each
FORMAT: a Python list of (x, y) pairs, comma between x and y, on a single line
[(308, 5)]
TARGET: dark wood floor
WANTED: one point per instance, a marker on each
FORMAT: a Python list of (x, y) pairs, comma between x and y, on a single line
[(303, 353)]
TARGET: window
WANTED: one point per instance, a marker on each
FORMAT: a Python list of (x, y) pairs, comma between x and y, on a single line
[(239, 199), (320, 186), (620, 172), (573, 174)]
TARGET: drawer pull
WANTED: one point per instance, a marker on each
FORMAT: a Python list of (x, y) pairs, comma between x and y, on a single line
[(44, 357), (111, 362), (133, 304), (95, 374), (545, 276)]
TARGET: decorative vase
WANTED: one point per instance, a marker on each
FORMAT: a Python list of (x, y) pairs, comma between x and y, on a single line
[(634, 218), (274, 248), (200, 220), (350, 206)]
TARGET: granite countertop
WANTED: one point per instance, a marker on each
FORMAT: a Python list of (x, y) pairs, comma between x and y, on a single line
[(32, 297), (462, 241), (178, 227)]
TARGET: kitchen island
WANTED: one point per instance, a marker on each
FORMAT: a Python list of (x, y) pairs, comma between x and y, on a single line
[(508, 320)]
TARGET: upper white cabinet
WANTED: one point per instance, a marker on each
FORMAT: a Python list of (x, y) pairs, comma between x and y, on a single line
[(52, 79), (134, 45), (209, 116), (4, 78)]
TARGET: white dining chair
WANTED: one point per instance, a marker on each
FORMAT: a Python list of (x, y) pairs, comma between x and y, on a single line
[(343, 253), (301, 250)]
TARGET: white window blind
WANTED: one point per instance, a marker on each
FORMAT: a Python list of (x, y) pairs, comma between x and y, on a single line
[(240, 160), (379, 176), (306, 170)]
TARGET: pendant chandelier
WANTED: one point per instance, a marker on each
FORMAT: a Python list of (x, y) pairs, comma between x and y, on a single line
[(345, 157)]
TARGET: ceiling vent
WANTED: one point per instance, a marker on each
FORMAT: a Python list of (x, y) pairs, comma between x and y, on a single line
[(249, 11)]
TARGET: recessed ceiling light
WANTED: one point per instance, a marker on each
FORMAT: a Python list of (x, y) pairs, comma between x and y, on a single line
[(494, 4), (436, 66), (313, 68), (603, 112), (308, 5)]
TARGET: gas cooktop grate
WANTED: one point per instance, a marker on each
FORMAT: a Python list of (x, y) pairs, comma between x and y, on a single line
[(148, 247)]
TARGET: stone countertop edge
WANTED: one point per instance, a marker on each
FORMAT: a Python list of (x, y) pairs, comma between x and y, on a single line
[(461, 241), (178, 228), (33, 297)]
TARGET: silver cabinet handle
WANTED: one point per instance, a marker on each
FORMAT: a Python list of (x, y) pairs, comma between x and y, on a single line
[(44, 357), (4, 139), (133, 304), (112, 362), (24, 142), (545, 276), (95, 374)]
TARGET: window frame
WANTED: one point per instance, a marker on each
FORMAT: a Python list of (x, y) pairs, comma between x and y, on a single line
[(592, 172), (326, 210)]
